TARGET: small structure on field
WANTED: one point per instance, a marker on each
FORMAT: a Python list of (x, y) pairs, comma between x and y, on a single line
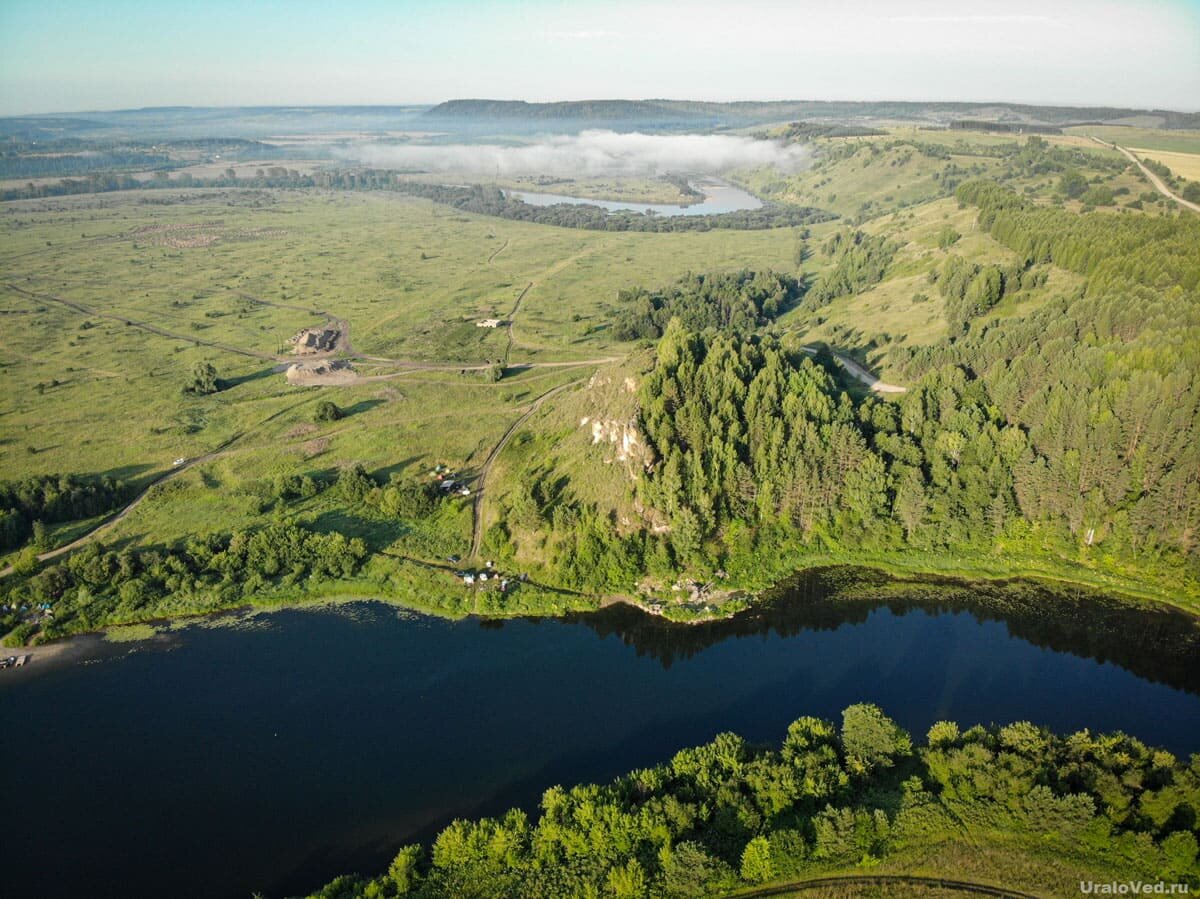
[(491, 323)]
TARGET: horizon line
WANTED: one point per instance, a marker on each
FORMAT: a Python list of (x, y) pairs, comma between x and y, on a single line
[(429, 105)]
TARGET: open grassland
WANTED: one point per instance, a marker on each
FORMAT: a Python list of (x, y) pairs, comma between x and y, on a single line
[(1178, 141), (412, 278), (228, 277)]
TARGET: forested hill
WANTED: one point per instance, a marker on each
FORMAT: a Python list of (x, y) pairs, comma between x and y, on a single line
[(1065, 437), (749, 112), (1067, 433), (579, 109)]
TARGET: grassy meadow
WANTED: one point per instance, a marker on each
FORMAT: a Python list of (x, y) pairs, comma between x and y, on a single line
[(409, 277), (112, 299)]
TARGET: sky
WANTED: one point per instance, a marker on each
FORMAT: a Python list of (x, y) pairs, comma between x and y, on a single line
[(77, 55)]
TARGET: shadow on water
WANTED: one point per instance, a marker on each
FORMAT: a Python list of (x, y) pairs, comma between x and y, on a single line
[(1154, 642), (244, 756)]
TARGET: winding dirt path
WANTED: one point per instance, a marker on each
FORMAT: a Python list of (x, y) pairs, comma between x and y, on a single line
[(502, 248), (868, 880), (1150, 176), (481, 477), (117, 517)]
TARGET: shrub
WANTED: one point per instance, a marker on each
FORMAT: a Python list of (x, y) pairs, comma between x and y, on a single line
[(327, 411)]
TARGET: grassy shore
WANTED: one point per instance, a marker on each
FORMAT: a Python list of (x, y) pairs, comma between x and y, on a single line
[(429, 591)]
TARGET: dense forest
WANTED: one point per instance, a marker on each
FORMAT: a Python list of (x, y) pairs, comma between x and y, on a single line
[(48, 499), (73, 156), (208, 572), (1072, 429), (969, 289), (1102, 382), (1069, 433), (803, 132), (20, 165), (739, 301), (729, 814), (860, 260)]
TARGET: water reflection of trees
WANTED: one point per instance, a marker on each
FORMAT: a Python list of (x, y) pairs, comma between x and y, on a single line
[(1153, 642)]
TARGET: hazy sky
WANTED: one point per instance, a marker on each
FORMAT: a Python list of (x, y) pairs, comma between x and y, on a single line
[(64, 55)]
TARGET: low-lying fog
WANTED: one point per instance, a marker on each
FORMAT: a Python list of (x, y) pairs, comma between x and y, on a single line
[(591, 153)]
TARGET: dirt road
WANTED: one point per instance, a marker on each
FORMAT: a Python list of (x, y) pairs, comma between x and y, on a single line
[(1151, 177), (114, 519), (145, 326), (481, 477), (512, 318), (859, 373), (342, 325)]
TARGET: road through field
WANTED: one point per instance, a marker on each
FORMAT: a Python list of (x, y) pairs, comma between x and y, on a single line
[(111, 521), (145, 326), (499, 251), (481, 477), (342, 324), (1153, 178)]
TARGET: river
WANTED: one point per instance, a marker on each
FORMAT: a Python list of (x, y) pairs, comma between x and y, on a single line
[(280, 749), (719, 197)]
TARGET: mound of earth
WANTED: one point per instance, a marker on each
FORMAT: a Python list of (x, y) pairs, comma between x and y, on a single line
[(310, 341), (327, 371)]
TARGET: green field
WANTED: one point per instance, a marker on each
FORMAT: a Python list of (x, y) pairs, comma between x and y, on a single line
[(411, 280), (357, 258), (1180, 141), (113, 299)]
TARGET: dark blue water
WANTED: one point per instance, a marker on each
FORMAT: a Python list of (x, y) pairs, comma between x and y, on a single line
[(275, 755)]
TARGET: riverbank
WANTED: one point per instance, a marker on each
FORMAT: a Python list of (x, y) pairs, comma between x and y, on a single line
[(409, 584), (414, 721)]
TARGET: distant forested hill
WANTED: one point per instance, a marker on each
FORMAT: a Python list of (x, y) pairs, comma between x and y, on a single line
[(161, 123), (749, 112)]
